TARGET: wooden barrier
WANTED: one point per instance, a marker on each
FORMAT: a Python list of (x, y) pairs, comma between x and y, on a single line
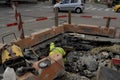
[(48, 33)]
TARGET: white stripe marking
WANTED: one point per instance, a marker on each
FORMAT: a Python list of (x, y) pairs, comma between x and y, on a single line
[(93, 8), (27, 10), (98, 17), (107, 9), (26, 21), (89, 7), (48, 6), (36, 6), (10, 12), (100, 9)]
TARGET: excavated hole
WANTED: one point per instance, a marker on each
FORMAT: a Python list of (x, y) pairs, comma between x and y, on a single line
[(84, 56)]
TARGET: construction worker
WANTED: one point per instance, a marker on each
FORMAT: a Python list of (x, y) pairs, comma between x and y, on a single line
[(56, 50)]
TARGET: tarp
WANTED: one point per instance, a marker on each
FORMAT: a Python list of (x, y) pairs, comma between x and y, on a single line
[(9, 74)]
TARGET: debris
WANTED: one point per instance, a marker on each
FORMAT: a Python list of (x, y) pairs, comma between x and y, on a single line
[(72, 76), (114, 49)]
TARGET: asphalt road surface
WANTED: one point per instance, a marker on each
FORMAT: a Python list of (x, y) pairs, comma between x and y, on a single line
[(30, 12)]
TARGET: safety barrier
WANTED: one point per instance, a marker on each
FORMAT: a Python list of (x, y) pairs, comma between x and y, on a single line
[(61, 16), (108, 18), (33, 20), (98, 17)]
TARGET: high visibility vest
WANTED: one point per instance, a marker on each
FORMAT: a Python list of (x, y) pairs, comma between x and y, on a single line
[(57, 50)]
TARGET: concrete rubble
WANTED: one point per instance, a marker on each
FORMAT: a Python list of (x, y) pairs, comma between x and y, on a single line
[(84, 61)]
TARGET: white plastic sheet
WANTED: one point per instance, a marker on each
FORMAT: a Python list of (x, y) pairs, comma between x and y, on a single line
[(9, 74)]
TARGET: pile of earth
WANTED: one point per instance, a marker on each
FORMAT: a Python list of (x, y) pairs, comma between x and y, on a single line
[(84, 65)]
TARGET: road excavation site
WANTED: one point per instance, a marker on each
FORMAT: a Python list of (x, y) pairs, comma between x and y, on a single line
[(92, 53)]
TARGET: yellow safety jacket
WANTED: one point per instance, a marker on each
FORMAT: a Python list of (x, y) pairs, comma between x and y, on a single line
[(56, 50), (8, 54)]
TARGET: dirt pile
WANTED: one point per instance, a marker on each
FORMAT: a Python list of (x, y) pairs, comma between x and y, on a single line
[(86, 57), (81, 65)]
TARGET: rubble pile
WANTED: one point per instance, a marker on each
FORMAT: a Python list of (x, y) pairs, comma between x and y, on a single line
[(85, 64), (71, 76), (86, 57)]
